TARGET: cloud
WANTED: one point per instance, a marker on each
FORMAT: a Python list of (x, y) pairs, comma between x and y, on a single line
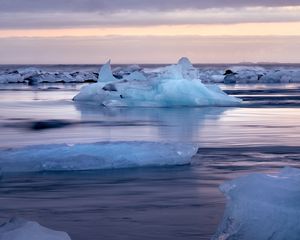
[(118, 5), (149, 18)]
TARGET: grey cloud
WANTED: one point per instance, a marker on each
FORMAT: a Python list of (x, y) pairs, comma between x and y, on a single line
[(117, 5), (212, 16)]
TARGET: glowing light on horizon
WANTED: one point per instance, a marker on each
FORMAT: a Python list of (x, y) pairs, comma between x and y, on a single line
[(242, 29)]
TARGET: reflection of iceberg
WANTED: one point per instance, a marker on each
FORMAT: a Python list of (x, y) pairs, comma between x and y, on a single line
[(165, 124), (175, 85), (19, 229), (106, 155), (262, 207)]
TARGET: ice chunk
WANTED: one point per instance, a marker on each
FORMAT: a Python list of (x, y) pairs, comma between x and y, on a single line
[(244, 74), (182, 70), (217, 78), (20, 229), (51, 77), (105, 74), (14, 77), (173, 86), (185, 63), (105, 155), (127, 69), (262, 207), (135, 76), (83, 77), (29, 72)]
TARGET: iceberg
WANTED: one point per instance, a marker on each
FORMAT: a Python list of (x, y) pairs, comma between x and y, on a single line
[(173, 86), (262, 206), (20, 229), (94, 156)]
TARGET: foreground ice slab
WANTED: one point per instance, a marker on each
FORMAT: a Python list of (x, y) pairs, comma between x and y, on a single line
[(19, 229), (171, 86), (262, 207), (105, 155)]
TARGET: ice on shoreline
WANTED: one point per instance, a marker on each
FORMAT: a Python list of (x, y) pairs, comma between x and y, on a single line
[(20, 229), (35, 76), (262, 206), (173, 86), (208, 74), (94, 156)]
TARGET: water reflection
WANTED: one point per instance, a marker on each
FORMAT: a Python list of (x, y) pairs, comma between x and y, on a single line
[(171, 124), (147, 203)]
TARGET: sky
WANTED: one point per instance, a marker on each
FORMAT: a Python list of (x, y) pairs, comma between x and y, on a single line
[(143, 31)]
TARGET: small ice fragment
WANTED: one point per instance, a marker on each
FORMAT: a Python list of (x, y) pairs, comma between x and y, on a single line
[(20, 229)]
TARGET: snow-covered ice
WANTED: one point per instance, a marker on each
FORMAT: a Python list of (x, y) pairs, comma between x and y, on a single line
[(175, 85), (261, 207), (103, 155), (20, 229)]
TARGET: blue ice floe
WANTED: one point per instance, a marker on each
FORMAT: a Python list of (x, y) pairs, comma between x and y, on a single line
[(262, 206), (21, 229), (93, 156)]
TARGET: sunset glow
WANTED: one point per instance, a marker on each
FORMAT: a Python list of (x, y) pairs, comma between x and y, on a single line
[(111, 23), (242, 29)]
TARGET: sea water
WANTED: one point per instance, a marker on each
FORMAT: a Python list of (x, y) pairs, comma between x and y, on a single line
[(178, 202)]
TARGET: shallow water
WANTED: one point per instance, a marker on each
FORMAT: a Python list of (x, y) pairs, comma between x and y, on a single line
[(147, 203)]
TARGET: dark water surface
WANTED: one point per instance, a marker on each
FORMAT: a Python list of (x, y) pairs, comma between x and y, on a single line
[(146, 203)]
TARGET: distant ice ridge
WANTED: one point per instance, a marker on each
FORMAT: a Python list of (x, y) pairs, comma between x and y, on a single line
[(33, 75), (20, 229), (209, 74), (262, 207), (171, 86), (93, 156)]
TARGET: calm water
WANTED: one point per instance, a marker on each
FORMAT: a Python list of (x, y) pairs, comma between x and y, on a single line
[(146, 203)]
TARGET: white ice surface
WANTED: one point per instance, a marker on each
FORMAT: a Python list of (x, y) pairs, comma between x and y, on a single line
[(104, 155), (261, 207), (19, 229)]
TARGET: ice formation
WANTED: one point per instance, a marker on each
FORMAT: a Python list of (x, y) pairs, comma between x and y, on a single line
[(175, 85), (20, 229), (105, 155), (105, 74), (262, 207)]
